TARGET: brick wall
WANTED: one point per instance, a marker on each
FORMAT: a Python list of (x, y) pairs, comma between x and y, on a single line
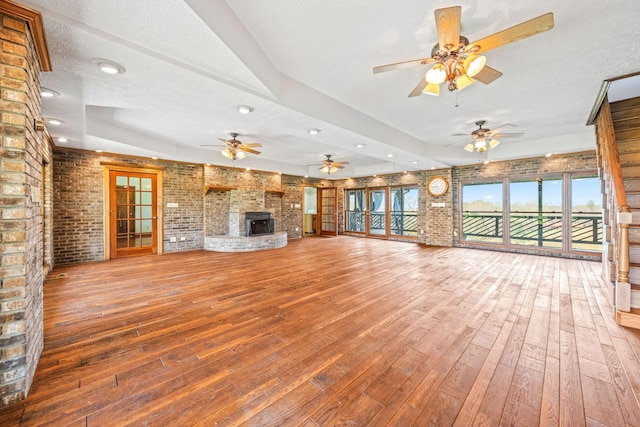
[(224, 209), (79, 206), (24, 219)]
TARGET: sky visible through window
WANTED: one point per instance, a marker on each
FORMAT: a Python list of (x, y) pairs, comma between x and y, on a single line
[(585, 192)]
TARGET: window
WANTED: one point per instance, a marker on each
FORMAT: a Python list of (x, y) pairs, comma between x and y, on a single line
[(535, 213), (482, 212), (561, 213), (355, 210), (404, 211), (586, 213)]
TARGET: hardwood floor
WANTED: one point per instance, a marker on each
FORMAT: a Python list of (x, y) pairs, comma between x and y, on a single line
[(339, 331)]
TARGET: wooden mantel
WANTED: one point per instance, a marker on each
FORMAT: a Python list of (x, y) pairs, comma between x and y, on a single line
[(222, 188)]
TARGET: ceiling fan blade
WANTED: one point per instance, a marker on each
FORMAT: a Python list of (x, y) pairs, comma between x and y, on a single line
[(448, 26), (506, 135), (518, 32), (401, 65), (487, 75), (418, 90), (340, 163), (253, 144), (248, 150), (228, 141)]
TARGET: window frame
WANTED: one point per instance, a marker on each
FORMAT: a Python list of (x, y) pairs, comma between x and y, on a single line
[(566, 246)]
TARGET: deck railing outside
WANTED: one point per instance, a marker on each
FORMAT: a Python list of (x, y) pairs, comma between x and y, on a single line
[(534, 228)]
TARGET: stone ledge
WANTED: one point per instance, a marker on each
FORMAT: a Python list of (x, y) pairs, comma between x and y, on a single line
[(245, 243)]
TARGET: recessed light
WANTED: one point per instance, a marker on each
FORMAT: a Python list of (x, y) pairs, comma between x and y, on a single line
[(279, 173), (62, 139), (390, 154), (306, 176), (248, 169), (52, 121), (548, 155), (486, 162), (244, 109), (108, 67), (359, 145), (313, 131), (404, 172), (48, 93), (154, 157), (207, 164), (99, 151), (415, 162), (374, 175), (433, 167)]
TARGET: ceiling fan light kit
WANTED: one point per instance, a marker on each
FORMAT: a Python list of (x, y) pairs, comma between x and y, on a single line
[(330, 166), (483, 139), (235, 149), (456, 61)]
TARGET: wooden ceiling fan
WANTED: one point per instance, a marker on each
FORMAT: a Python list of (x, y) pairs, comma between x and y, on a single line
[(482, 139), (457, 62), (235, 149), (330, 166)]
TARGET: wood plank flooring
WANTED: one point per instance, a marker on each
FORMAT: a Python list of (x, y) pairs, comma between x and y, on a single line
[(332, 331)]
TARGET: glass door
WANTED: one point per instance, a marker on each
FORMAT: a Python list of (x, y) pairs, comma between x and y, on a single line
[(133, 216), (328, 207), (378, 220), (355, 210)]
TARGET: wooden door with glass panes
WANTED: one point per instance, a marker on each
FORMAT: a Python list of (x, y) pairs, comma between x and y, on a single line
[(328, 210), (132, 213)]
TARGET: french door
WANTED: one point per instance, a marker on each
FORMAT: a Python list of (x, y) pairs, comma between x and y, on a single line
[(328, 209), (377, 213), (132, 213)]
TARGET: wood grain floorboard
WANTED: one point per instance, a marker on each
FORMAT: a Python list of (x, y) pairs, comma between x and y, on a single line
[(332, 332)]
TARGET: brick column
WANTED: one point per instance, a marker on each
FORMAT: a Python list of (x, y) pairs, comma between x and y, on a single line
[(23, 155)]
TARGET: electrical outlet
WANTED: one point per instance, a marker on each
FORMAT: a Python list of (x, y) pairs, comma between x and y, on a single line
[(173, 239), (182, 239)]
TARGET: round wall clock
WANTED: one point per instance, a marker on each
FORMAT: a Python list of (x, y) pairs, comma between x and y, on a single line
[(437, 186)]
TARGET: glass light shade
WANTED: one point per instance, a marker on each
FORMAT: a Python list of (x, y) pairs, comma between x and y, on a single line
[(474, 64), (436, 75), (493, 143), (227, 153), (324, 169), (240, 155), (432, 89), (463, 81), (480, 143), (469, 147)]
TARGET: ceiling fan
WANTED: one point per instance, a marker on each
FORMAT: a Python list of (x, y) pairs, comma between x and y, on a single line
[(235, 149), (482, 139), (330, 166), (458, 63)]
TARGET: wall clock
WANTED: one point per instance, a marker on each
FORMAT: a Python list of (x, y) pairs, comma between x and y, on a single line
[(437, 186)]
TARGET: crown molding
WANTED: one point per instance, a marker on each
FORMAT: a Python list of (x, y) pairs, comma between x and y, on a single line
[(33, 18)]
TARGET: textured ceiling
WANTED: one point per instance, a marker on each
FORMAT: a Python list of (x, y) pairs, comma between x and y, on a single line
[(308, 64)]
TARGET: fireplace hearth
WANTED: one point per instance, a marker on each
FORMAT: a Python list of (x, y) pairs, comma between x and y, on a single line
[(258, 223)]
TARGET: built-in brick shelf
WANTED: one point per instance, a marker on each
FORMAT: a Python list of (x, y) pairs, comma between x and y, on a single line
[(246, 243)]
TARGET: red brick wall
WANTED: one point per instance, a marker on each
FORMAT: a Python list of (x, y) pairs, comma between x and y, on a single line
[(79, 207), (25, 229)]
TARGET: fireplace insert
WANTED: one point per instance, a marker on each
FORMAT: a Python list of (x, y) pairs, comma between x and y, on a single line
[(258, 223)]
